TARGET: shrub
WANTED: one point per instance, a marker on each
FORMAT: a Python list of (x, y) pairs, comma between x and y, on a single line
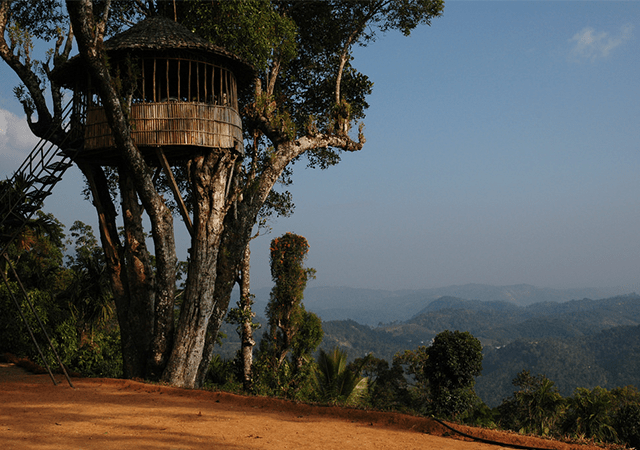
[(626, 422), (588, 415)]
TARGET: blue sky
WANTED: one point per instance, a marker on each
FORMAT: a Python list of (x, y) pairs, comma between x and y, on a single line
[(503, 147)]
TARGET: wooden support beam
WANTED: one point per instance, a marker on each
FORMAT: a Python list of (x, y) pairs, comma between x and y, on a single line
[(174, 188)]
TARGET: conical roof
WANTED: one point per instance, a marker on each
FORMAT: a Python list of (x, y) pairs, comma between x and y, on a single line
[(156, 33), (160, 33)]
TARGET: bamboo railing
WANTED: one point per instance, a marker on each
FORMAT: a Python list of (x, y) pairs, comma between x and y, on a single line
[(171, 123)]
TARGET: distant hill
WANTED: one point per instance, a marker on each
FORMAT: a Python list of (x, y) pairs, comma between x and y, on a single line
[(372, 307), (580, 343)]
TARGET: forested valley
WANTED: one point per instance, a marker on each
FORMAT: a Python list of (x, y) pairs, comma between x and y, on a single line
[(579, 343)]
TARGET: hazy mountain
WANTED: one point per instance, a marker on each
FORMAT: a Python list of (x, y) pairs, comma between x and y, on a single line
[(372, 307)]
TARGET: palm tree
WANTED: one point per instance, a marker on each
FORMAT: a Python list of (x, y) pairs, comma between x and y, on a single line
[(589, 414), (335, 383)]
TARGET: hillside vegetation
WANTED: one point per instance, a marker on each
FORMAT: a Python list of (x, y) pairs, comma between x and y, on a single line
[(578, 343)]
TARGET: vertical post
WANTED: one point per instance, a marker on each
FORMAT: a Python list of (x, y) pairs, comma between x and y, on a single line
[(198, 81), (154, 80), (213, 84), (205, 83)]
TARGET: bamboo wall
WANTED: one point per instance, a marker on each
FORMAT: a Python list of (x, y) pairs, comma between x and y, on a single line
[(169, 124)]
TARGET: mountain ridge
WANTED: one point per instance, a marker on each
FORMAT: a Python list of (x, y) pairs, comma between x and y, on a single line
[(377, 306)]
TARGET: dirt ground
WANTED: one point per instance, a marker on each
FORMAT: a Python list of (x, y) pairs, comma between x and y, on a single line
[(115, 414)]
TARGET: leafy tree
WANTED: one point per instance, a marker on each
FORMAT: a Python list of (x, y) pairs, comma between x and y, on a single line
[(626, 422), (306, 95), (453, 361), (72, 301), (386, 385), (36, 256), (416, 382), (535, 408), (284, 311), (336, 382), (293, 333), (589, 415)]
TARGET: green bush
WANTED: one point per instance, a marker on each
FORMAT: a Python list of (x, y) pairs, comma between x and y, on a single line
[(589, 415), (626, 422), (100, 357), (536, 407)]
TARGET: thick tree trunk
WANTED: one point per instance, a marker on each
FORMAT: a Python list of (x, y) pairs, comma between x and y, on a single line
[(235, 238), (89, 34), (209, 177)]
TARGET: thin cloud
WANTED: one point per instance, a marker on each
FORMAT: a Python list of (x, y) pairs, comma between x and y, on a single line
[(16, 141), (590, 45)]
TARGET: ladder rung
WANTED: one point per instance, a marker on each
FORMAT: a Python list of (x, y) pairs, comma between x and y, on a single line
[(58, 166), (48, 179)]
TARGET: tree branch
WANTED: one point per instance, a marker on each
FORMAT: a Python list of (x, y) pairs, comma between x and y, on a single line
[(30, 80)]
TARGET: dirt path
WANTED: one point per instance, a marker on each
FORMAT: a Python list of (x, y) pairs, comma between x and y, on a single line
[(110, 414)]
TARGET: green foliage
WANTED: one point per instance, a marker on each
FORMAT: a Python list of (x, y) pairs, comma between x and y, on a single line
[(589, 415), (535, 408), (89, 292), (100, 357), (252, 29), (287, 379), (284, 364), (285, 311), (334, 381), (74, 302), (416, 382), (387, 387), (453, 361), (307, 338), (626, 422), (242, 313), (224, 374)]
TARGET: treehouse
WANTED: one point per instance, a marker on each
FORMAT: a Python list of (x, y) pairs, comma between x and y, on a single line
[(180, 91)]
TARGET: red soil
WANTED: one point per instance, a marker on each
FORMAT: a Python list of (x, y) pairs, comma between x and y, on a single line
[(123, 414)]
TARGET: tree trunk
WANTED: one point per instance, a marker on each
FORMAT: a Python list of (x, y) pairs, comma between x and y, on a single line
[(90, 34), (247, 324), (209, 178), (235, 238), (132, 356), (139, 271)]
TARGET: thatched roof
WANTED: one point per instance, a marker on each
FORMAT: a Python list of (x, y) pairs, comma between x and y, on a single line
[(159, 34)]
